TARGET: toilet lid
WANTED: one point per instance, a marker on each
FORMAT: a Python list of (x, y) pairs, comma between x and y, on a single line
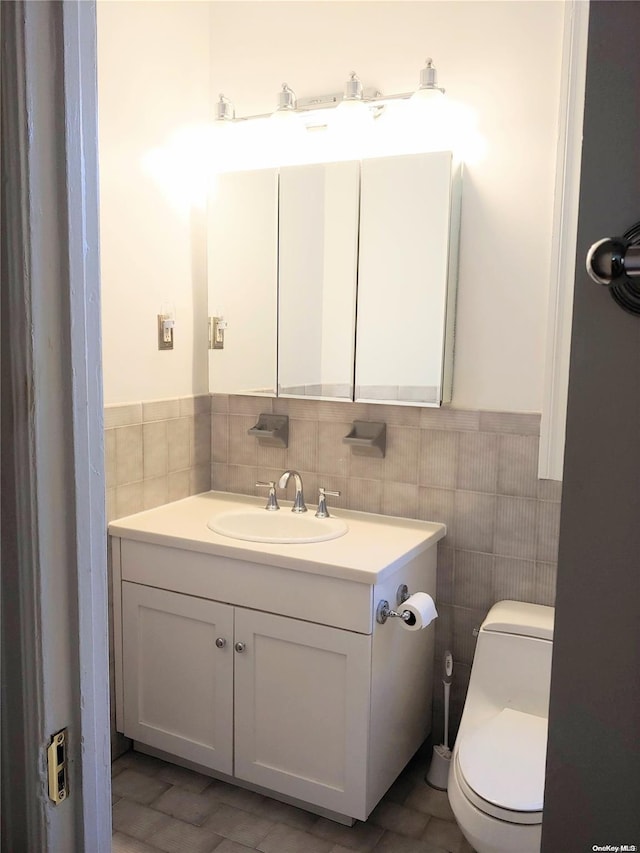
[(503, 760)]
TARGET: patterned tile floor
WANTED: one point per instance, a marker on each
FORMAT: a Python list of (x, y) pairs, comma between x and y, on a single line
[(162, 807)]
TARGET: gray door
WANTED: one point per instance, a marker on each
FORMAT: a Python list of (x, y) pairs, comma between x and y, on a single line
[(593, 763)]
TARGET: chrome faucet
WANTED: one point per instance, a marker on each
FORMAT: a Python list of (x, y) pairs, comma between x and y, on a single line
[(298, 503)]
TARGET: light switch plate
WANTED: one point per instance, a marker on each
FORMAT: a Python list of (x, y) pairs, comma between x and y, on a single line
[(165, 337)]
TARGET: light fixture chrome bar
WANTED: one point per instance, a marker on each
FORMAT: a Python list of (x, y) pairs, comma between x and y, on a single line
[(323, 102), (380, 98), (372, 97), (319, 102)]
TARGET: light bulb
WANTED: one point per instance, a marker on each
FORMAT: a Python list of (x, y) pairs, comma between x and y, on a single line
[(428, 97), (352, 115), (428, 114), (223, 146), (351, 123), (223, 137), (428, 81), (285, 141)]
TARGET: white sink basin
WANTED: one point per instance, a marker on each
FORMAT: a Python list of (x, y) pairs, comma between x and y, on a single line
[(282, 526)]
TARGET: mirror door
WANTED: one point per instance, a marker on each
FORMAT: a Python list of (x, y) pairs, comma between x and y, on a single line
[(294, 252), (317, 268), (406, 279), (243, 270)]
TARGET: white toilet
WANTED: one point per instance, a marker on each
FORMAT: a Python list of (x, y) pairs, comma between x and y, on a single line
[(496, 778)]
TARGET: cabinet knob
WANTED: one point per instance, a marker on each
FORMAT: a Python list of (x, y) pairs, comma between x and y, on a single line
[(221, 642), (240, 647)]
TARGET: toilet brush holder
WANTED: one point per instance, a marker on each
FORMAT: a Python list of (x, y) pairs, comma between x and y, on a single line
[(438, 773)]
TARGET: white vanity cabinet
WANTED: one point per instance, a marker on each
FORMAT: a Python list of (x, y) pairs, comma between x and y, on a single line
[(264, 664), (300, 691)]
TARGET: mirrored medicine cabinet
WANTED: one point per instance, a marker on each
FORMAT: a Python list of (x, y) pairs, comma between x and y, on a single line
[(336, 281)]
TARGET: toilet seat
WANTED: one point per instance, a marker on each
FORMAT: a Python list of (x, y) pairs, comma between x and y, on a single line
[(501, 765)]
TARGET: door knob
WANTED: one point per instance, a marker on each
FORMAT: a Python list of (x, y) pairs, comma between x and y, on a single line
[(611, 259), (240, 647), (221, 642), (615, 263)]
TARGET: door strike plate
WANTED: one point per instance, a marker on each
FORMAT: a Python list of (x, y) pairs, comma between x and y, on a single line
[(57, 767)]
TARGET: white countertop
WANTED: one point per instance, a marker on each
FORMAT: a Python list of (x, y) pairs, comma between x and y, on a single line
[(374, 545)]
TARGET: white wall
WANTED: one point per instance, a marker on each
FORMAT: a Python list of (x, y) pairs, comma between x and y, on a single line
[(501, 58), (153, 78)]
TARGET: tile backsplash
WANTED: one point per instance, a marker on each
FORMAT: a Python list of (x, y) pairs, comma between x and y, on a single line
[(156, 452), (476, 471)]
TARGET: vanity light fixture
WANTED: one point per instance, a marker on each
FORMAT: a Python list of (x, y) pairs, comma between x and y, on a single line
[(430, 115), (223, 138), (354, 98), (352, 89), (428, 87), (286, 103), (353, 109), (360, 122), (223, 129), (225, 111), (352, 118), (429, 99), (285, 135), (234, 143)]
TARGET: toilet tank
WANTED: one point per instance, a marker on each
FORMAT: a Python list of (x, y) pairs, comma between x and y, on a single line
[(512, 663)]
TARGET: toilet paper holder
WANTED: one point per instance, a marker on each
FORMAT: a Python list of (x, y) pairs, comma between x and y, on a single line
[(384, 611)]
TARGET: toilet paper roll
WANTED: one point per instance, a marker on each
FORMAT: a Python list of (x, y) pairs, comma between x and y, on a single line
[(422, 609)]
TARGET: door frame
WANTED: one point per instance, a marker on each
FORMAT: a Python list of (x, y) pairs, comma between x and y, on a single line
[(563, 245), (54, 579)]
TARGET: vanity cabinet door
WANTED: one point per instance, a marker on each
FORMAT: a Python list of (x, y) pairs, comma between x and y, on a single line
[(178, 684), (302, 703)]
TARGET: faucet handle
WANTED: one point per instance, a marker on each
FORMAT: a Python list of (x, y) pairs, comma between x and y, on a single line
[(322, 511), (272, 500)]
